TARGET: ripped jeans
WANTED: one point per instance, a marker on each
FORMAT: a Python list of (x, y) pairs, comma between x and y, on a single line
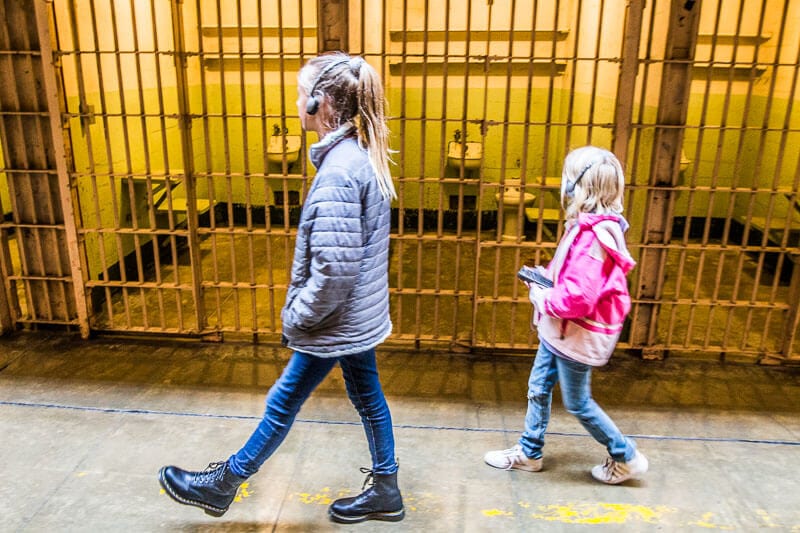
[(576, 391)]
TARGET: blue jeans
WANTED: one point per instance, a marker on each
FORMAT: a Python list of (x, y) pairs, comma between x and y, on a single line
[(300, 377), (576, 390)]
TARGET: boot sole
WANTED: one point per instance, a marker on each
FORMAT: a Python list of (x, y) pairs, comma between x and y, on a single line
[(393, 516), (209, 509)]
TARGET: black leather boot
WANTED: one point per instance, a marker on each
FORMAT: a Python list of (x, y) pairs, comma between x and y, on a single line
[(382, 501), (212, 490)]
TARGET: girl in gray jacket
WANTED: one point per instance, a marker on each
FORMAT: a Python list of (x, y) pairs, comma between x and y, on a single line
[(337, 305)]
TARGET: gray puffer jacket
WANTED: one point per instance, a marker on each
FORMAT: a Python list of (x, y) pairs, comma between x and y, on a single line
[(338, 298)]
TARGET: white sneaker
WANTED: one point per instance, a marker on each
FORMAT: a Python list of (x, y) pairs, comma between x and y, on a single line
[(613, 472), (512, 459)]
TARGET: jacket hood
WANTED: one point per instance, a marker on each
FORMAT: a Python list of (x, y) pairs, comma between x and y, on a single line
[(610, 230)]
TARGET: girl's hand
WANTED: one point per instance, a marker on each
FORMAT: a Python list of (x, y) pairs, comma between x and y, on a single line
[(536, 293)]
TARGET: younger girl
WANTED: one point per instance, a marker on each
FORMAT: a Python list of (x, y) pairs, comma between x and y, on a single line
[(580, 318)]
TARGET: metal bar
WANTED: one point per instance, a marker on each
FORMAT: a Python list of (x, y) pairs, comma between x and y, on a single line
[(333, 25), (401, 192), (421, 191), (247, 178), (673, 105), (111, 174), (717, 164), (149, 215), (131, 200), (595, 69), (185, 128), (758, 172), (699, 283), (265, 160), (633, 174), (26, 150), (791, 325), (737, 170), (460, 205), (626, 84), (9, 300), (210, 176), (161, 115), (527, 122), (226, 159), (515, 287), (7, 317), (76, 261)]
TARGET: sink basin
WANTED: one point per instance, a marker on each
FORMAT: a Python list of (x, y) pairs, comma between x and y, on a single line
[(470, 153), (280, 146)]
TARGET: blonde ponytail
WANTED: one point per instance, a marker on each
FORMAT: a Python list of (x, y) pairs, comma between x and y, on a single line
[(373, 133), (354, 92)]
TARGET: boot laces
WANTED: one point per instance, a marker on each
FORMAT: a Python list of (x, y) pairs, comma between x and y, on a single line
[(370, 477), (212, 473)]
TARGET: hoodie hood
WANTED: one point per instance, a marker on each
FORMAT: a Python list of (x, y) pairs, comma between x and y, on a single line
[(610, 231)]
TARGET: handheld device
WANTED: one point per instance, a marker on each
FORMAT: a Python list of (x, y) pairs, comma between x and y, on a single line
[(534, 275)]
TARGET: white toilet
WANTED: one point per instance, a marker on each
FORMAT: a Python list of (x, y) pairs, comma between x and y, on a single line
[(509, 201)]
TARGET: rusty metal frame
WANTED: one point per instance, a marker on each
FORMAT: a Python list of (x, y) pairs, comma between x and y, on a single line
[(187, 152), (671, 115), (66, 191), (628, 74)]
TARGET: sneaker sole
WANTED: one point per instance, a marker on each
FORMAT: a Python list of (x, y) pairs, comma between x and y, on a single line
[(209, 509), (394, 516), (634, 476), (524, 469)]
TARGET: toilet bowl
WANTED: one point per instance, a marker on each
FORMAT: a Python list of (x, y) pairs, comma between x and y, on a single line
[(509, 201)]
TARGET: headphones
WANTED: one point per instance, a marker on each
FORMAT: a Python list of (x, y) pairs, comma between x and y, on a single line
[(569, 190), (312, 105)]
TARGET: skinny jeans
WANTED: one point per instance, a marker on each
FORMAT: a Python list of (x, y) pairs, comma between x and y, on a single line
[(301, 376)]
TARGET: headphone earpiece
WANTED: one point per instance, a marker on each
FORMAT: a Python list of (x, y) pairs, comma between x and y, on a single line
[(569, 190), (312, 105)]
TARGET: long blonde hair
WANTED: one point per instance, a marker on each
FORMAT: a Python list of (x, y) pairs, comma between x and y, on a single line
[(354, 92), (592, 181)]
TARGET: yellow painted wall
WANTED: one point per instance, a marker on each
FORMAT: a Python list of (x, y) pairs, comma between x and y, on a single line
[(228, 81)]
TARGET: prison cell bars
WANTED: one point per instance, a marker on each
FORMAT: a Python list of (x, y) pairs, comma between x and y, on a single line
[(135, 291)]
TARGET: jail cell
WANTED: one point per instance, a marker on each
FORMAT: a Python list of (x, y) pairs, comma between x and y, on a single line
[(717, 172), (182, 169)]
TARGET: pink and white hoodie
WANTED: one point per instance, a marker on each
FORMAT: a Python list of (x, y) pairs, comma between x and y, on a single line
[(581, 316)]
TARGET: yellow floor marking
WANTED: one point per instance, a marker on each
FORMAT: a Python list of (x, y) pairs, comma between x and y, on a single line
[(705, 521), (595, 513), (601, 513), (325, 497), (243, 492), (496, 512)]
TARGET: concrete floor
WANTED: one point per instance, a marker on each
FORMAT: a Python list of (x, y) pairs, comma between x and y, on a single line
[(86, 425)]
